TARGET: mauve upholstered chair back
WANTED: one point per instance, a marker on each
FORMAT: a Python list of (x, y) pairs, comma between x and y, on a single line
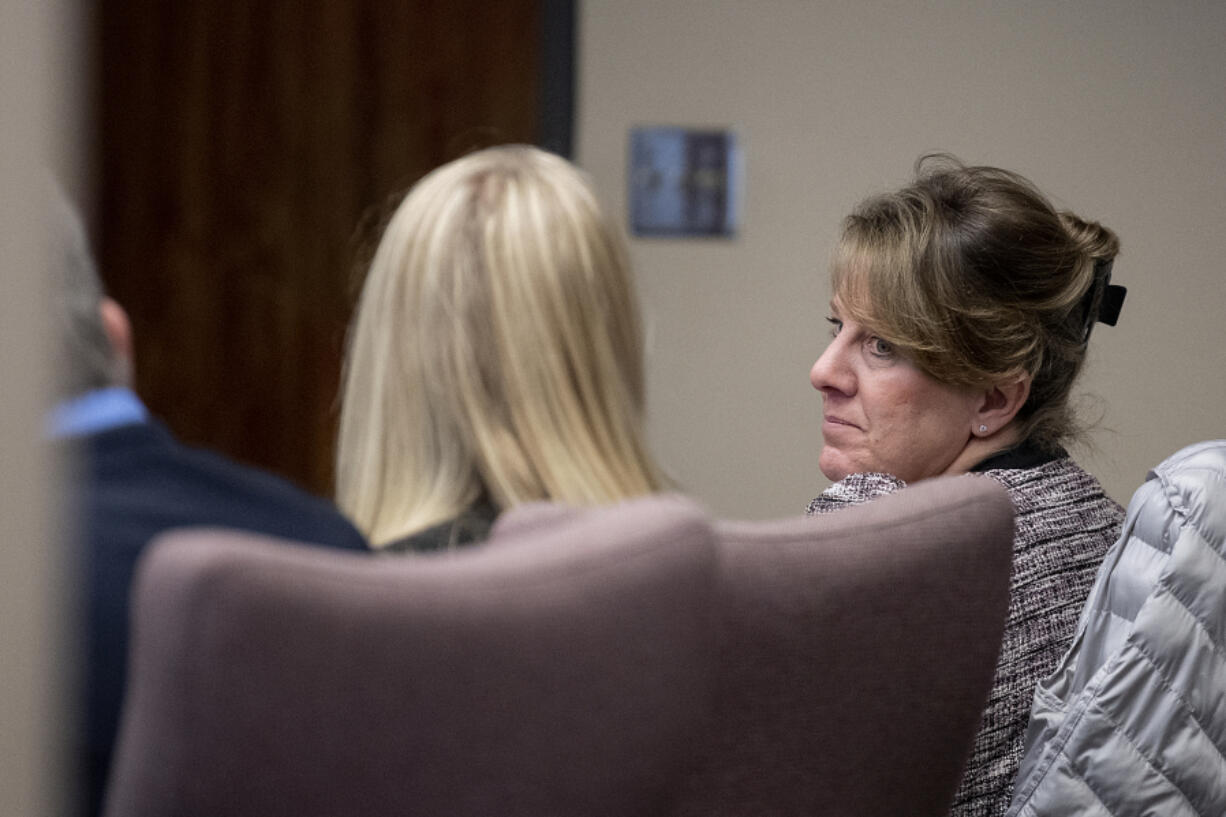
[(564, 671), (856, 654)]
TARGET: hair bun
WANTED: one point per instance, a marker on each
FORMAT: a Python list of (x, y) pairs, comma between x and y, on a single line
[(1091, 238)]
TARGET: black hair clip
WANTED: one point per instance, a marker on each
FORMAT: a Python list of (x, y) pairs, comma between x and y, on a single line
[(1104, 300)]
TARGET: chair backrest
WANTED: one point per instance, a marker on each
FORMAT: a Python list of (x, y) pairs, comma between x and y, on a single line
[(857, 651), (619, 661), (564, 672)]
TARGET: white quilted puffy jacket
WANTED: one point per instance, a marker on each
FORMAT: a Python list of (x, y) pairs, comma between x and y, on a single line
[(1133, 721)]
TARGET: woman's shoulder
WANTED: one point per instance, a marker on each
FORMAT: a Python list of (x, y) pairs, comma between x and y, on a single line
[(1059, 500), (854, 489), (1053, 479)]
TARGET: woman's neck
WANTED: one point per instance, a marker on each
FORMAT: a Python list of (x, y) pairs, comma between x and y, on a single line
[(979, 449)]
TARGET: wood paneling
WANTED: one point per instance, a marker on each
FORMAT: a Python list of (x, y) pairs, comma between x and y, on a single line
[(245, 154)]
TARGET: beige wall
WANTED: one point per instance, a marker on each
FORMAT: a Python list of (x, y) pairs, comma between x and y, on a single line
[(31, 711), (1116, 109)]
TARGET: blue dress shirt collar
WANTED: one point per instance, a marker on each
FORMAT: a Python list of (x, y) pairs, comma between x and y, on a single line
[(98, 410)]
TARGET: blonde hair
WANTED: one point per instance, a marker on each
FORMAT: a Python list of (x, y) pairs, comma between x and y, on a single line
[(972, 274), (496, 351)]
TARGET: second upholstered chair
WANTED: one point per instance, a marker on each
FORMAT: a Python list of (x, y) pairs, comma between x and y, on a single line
[(856, 652)]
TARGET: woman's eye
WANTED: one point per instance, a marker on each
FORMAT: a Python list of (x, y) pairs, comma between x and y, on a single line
[(836, 326), (880, 348)]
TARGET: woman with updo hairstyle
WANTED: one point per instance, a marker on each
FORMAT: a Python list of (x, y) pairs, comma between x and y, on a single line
[(962, 306), (495, 357)]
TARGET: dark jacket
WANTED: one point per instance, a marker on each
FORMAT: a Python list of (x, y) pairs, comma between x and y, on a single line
[(130, 484)]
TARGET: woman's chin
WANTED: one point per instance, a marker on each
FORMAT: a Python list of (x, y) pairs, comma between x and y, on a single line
[(833, 466)]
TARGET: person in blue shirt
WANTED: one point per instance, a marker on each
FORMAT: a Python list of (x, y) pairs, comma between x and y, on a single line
[(129, 480)]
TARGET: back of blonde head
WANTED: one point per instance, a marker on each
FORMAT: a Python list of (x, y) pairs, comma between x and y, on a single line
[(496, 351)]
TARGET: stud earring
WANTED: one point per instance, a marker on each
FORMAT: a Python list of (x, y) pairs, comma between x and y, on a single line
[(983, 429)]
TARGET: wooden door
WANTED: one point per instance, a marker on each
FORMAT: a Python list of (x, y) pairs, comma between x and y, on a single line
[(245, 154)]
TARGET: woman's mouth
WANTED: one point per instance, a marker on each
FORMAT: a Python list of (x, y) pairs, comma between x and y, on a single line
[(832, 420)]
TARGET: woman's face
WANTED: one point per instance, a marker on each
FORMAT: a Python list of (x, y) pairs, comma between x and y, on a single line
[(881, 413)]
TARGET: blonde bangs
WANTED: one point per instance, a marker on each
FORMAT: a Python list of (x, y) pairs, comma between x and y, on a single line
[(875, 281)]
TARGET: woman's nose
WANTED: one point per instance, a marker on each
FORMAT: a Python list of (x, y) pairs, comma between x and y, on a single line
[(830, 372)]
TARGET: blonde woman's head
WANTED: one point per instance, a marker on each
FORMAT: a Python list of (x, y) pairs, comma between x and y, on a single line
[(496, 351)]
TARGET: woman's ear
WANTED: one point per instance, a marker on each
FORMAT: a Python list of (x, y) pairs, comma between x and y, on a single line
[(999, 404)]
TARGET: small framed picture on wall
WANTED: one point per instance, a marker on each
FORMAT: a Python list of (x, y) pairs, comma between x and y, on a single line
[(684, 182)]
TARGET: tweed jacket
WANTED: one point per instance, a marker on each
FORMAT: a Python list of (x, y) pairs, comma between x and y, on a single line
[(1065, 524), (1133, 721)]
